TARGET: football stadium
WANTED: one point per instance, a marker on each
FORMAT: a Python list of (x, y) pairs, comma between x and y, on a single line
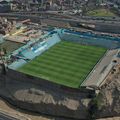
[(60, 70), (65, 63), (67, 58)]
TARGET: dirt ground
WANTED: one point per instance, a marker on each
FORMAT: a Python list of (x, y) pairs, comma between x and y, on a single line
[(5, 107)]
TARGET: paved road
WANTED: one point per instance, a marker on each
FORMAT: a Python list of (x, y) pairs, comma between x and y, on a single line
[(95, 22)]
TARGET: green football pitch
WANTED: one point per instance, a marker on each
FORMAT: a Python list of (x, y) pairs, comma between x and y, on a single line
[(65, 63)]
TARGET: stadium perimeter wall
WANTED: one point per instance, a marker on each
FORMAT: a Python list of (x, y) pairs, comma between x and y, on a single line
[(17, 86), (89, 40), (18, 76)]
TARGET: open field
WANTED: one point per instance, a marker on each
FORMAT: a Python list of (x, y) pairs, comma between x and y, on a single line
[(65, 63), (101, 13)]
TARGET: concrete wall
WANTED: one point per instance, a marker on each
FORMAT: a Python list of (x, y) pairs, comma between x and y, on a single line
[(18, 76), (43, 96)]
